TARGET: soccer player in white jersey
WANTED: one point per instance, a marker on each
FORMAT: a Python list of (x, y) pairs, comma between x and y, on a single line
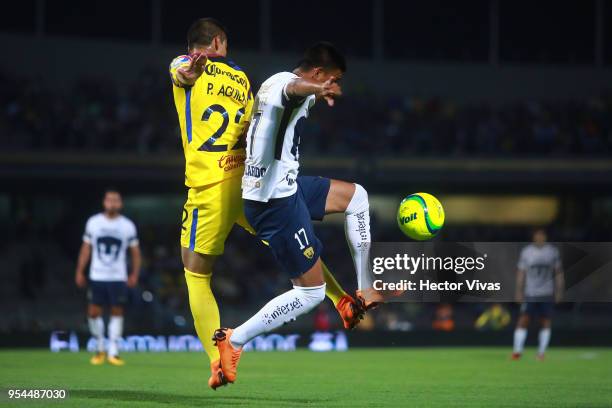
[(107, 238), (280, 204), (539, 284)]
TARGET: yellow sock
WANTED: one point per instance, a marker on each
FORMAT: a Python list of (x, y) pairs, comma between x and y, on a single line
[(333, 290), (204, 310)]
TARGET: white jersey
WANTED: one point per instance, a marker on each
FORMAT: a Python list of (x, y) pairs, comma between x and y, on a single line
[(109, 239), (539, 264), (271, 166)]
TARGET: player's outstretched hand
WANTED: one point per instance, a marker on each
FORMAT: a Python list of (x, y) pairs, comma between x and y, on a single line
[(330, 91), (195, 68)]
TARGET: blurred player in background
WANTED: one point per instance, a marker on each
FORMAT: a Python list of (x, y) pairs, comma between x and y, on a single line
[(539, 284), (214, 102), (281, 205), (107, 238)]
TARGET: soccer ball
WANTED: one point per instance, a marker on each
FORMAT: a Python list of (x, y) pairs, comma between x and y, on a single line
[(420, 216)]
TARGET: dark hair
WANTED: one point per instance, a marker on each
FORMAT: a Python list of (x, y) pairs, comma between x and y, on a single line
[(111, 189), (323, 54), (203, 31)]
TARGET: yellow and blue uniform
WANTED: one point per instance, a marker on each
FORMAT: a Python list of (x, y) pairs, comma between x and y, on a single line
[(213, 114)]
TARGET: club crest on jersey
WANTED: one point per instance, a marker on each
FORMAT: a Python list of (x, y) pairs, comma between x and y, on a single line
[(309, 252)]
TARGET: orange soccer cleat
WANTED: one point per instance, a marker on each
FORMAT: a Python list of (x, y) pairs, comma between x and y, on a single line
[(350, 311), (515, 356), (229, 355), (216, 379)]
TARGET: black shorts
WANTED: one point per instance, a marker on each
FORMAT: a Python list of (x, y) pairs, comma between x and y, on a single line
[(543, 310), (285, 224), (102, 293)]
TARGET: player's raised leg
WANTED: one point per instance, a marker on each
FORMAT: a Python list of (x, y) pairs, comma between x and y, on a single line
[(352, 200), (315, 191), (308, 291)]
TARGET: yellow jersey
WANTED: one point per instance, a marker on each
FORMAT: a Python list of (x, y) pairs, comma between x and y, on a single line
[(213, 114)]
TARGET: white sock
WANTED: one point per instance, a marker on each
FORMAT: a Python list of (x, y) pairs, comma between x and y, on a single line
[(282, 309), (357, 230), (543, 338), (96, 328), (519, 339), (115, 331)]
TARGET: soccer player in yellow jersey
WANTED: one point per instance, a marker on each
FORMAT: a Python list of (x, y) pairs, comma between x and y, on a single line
[(214, 102)]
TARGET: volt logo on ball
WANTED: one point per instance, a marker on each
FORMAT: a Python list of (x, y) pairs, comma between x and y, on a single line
[(409, 218)]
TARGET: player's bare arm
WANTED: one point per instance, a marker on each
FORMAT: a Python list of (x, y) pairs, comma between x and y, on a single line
[(300, 88), (188, 75), (84, 256), (520, 284), (559, 284), (136, 263)]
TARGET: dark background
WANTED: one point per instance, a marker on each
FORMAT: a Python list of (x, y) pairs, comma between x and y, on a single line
[(479, 99)]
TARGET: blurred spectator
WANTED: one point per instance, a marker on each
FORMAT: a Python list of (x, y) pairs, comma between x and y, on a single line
[(98, 115)]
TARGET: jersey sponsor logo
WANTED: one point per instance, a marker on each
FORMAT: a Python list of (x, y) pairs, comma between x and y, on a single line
[(214, 70), (282, 311), (229, 162), (255, 171), (108, 249), (309, 252)]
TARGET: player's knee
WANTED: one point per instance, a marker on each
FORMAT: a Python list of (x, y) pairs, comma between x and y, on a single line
[(116, 311), (315, 294), (94, 311), (360, 201), (198, 263)]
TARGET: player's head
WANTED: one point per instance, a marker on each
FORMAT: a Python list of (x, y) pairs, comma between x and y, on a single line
[(207, 34), (321, 62), (112, 202), (539, 236)]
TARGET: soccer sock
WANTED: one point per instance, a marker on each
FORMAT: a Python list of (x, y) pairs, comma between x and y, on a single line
[(204, 310), (543, 338), (115, 331), (96, 328), (357, 229), (520, 335), (333, 290), (282, 309)]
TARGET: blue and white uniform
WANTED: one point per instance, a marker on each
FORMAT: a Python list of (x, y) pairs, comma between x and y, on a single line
[(278, 202), (109, 239), (539, 264)]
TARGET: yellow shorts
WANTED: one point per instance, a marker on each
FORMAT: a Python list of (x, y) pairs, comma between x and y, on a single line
[(210, 214)]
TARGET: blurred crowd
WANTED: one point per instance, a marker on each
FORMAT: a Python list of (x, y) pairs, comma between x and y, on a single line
[(95, 114)]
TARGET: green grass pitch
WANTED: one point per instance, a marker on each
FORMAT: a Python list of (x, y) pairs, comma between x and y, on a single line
[(417, 377)]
